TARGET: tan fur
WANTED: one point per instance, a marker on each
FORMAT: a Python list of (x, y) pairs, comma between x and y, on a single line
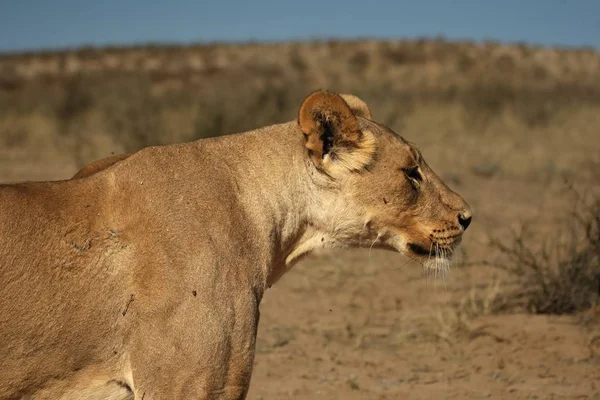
[(143, 276), (99, 165), (359, 107)]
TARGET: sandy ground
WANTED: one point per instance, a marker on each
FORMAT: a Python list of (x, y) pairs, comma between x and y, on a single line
[(370, 325)]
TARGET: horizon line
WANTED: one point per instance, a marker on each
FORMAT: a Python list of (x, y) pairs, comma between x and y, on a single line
[(296, 40)]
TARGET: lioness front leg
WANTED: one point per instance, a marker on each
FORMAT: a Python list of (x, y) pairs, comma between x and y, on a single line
[(198, 350)]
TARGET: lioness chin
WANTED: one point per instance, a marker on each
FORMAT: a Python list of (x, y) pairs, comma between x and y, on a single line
[(142, 276)]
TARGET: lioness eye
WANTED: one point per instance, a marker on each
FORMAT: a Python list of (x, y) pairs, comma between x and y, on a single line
[(414, 174)]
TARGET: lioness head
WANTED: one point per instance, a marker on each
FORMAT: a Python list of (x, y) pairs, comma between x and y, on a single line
[(383, 193)]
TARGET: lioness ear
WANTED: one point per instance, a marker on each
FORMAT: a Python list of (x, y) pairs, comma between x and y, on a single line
[(332, 131), (358, 107)]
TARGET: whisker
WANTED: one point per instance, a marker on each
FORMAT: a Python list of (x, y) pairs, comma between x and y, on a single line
[(427, 265), (372, 244), (437, 264), (445, 267)]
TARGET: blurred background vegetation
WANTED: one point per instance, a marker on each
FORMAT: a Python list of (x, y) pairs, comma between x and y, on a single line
[(71, 107)]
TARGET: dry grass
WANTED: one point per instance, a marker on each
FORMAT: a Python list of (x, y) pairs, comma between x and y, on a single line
[(558, 275), (135, 97)]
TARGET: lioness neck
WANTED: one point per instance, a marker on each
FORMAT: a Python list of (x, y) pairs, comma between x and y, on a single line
[(280, 191)]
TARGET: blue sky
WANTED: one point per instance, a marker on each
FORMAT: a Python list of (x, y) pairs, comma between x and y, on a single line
[(42, 24)]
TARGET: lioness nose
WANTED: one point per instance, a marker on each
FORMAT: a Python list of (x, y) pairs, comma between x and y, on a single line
[(464, 219)]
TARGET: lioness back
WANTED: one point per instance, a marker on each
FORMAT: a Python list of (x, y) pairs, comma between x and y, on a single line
[(99, 165)]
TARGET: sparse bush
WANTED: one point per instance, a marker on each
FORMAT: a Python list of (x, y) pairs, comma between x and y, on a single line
[(562, 276), (133, 113), (297, 61), (77, 99), (359, 61), (14, 137)]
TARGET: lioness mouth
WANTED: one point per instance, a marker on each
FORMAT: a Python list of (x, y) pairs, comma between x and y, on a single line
[(420, 250), (433, 251)]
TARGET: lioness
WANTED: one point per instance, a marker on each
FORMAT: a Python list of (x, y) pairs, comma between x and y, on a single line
[(142, 278)]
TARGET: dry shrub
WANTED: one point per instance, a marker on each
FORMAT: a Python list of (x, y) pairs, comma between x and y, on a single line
[(76, 100), (133, 114), (563, 275)]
